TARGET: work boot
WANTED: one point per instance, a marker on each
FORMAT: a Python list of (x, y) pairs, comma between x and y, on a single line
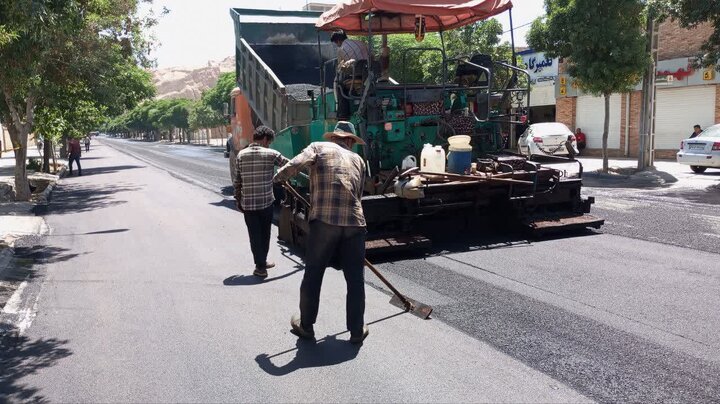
[(261, 272), (358, 339), (300, 330)]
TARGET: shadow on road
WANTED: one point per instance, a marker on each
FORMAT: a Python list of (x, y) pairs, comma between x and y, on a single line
[(106, 170), (225, 203), (21, 357), (43, 254), (228, 190), (629, 178), (82, 197), (249, 280), (90, 158), (328, 351), (709, 195)]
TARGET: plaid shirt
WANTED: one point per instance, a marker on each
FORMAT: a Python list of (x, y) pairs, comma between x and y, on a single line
[(351, 49), (337, 176), (253, 183)]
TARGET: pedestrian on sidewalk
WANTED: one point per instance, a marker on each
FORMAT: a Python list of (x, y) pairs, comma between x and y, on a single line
[(87, 143), (254, 193), (337, 226), (74, 153)]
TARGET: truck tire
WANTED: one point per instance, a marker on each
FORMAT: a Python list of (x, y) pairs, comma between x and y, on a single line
[(698, 169)]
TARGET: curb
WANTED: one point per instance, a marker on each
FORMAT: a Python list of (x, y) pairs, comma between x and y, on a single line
[(44, 198)]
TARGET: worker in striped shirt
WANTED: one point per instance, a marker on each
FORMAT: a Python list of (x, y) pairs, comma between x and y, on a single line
[(337, 226), (350, 52), (254, 193)]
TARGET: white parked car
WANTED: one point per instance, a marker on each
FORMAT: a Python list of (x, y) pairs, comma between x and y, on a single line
[(702, 151), (548, 138)]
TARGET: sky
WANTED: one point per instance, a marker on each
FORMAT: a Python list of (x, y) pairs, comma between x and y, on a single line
[(197, 31)]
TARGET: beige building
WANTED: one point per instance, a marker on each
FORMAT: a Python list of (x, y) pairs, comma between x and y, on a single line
[(685, 96)]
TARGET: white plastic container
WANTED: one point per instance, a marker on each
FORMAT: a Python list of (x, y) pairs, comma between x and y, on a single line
[(459, 142), (432, 159), (409, 162)]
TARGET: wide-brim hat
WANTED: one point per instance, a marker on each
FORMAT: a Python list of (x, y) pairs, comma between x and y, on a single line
[(344, 129)]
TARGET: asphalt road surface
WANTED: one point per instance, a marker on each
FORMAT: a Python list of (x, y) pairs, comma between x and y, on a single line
[(142, 292)]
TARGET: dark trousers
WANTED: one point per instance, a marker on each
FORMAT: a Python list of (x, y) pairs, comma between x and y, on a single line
[(87, 147), (258, 223), (77, 160), (343, 104), (347, 245)]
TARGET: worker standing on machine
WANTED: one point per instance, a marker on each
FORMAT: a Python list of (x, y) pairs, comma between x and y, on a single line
[(350, 52), (337, 226)]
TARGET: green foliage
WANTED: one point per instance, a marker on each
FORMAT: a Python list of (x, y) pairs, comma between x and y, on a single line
[(220, 93), (691, 13), (420, 66), (151, 116), (68, 62), (426, 66), (203, 116), (603, 42)]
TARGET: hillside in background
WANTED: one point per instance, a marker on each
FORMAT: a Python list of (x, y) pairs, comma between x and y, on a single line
[(182, 82)]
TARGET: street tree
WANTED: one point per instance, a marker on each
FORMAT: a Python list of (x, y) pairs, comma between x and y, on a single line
[(47, 45), (691, 13), (219, 94), (603, 44)]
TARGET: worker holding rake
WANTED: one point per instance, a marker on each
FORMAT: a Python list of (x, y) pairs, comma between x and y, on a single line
[(337, 226)]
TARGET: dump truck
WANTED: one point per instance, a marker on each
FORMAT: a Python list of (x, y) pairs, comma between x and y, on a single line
[(474, 97)]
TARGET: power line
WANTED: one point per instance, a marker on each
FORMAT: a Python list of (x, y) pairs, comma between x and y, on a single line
[(519, 26)]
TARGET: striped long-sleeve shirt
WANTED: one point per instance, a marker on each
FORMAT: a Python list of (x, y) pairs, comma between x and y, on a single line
[(337, 176), (253, 182)]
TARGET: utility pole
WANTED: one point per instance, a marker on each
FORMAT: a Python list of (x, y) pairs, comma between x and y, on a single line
[(646, 148)]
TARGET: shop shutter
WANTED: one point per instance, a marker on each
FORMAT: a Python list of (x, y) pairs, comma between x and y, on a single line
[(590, 117), (678, 109)]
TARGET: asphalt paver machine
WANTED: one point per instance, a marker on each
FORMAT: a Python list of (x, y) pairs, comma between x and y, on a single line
[(473, 96)]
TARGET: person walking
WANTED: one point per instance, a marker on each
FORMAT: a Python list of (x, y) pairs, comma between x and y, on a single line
[(337, 226), (74, 153), (254, 193), (87, 144)]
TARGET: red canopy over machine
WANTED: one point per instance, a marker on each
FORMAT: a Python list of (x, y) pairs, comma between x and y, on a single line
[(399, 16)]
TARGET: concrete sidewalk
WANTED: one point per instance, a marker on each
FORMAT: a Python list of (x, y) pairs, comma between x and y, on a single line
[(17, 219), (664, 175)]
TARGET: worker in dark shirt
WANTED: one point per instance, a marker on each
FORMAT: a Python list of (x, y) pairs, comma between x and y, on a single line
[(696, 131), (74, 153)]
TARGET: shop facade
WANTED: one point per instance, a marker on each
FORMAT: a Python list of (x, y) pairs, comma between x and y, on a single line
[(685, 96)]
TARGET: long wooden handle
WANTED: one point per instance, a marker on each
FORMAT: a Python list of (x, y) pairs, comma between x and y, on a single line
[(387, 283)]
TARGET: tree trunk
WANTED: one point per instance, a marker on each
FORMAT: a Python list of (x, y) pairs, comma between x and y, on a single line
[(606, 127), (47, 150), (19, 140), (52, 150)]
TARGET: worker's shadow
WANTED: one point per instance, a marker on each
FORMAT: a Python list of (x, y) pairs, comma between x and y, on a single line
[(249, 280), (326, 352)]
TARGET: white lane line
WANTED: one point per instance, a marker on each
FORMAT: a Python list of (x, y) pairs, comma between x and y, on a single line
[(12, 306)]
